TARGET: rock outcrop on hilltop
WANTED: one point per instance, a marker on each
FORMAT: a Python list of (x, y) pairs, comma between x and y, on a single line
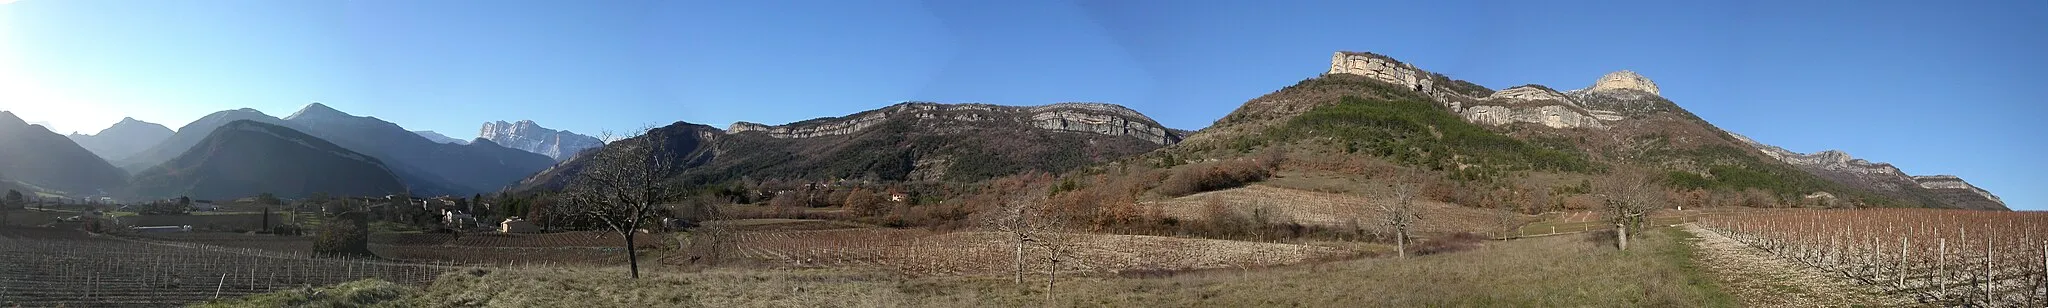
[(1095, 118), (530, 136), (1625, 80), (1956, 191)]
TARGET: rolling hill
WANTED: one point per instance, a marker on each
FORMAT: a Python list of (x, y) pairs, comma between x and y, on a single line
[(247, 157), (32, 154)]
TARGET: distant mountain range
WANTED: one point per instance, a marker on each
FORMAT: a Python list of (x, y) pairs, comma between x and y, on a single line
[(34, 155), (427, 167), (1885, 178), (531, 137), (125, 138), (918, 141), (247, 157), (439, 138), (430, 168)]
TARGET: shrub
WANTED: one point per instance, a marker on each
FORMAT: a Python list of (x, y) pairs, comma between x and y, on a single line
[(1212, 176), (1413, 131), (345, 235)]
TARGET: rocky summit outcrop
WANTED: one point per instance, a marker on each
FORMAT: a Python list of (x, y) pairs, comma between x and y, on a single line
[(1095, 118), (530, 136), (1625, 80), (1960, 193)]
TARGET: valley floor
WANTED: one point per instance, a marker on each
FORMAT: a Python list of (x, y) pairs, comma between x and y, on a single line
[(1568, 271)]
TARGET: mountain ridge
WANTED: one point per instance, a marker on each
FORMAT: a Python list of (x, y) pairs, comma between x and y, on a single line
[(248, 157), (123, 139), (35, 155)]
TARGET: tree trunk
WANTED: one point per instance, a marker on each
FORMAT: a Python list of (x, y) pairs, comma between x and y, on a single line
[(1621, 235), (1020, 260), (632, 255), (1401, 243), (1052, 272)]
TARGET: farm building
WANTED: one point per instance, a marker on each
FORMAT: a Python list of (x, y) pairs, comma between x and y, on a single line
[(517, 225)]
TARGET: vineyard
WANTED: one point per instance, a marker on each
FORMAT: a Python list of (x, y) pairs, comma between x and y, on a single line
[(47, 268), (1327, 209), (925, 253), (1941, 257)]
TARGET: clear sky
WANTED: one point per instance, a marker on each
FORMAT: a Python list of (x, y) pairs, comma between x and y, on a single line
[(1936, 87)]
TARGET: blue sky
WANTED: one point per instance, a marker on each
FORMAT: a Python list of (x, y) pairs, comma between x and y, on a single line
[(1934, 87)]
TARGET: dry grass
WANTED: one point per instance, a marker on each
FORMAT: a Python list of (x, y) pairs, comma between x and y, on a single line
[(1330, 209), (1569, 271), (924, 253)]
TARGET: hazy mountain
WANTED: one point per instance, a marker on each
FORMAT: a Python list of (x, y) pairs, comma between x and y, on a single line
[(439, 138), (1885, 178), (125, 138), (916, 141), (531, 137), (431, 168), (246, 158), (32, 154), (189, 135)]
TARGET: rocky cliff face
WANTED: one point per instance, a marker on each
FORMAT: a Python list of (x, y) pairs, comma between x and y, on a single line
[(530, 136), (1525, 104), (1382, 68), (1101, 119), (1959, 192), (1530, 104), (1625, 80)]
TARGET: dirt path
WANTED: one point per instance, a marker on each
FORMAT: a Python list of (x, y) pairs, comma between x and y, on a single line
[(1758, 279)]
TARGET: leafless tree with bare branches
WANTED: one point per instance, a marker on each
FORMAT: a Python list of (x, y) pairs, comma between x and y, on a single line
[(1631, 198), (1018, 218), (624, 186), (1401, 215)]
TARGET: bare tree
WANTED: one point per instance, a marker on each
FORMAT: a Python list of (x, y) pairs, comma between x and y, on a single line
[(1017, 217), (1058, 244), (1401, 216), (1631, 197), (624, 186)]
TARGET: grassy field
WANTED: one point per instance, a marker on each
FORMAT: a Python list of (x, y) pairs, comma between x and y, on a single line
[(1568, 271)]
